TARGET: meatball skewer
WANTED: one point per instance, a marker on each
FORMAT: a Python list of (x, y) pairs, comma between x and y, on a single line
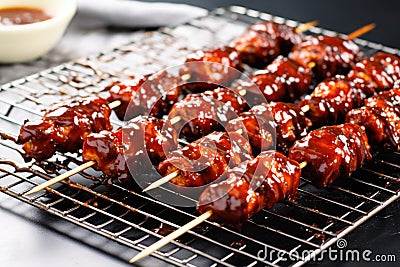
[(290, 176), (289, 120), (334, 97), (263, 41), (64, 127), (329, 55), (149, 138), (238, 188)]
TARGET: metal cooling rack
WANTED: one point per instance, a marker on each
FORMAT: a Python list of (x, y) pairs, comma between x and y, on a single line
[(298, 230)]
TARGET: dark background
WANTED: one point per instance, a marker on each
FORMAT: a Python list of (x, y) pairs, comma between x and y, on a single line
[(343, 16), (32, 237)]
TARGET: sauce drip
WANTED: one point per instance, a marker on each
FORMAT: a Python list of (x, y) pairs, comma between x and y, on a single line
[(22, 15)]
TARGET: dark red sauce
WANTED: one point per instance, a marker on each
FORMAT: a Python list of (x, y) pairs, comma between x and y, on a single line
[(22, 15)]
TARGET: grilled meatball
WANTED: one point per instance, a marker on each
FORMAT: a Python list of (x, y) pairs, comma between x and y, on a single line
[(257, 129), (215, 67), (64, 127), (331, 100), (150, 95), (382, 70), (289, 122), (326, 55), (254, 185), (331, 152), (264, 121), (381, 119), (201, 114), (282, 80), (264, 41), (132, 149), (206, 159)]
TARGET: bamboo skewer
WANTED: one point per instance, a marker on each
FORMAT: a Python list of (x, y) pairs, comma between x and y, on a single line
[(61, 177), (171, 176), (182, 230), (162, 181), (167, 239), (357, 33), (114, 104), (306, 26)]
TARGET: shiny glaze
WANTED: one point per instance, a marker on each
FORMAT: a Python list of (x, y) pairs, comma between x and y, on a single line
[(201, 114), (289, 122), (257, 129), (331, 152), (131, 150), (205, 160), (391, 63), (386, 100), (334, 97), (149, 95), (330, 55), (296, 77), (263, 122), (223, 65), (382, 70), (264, 41), (282, 80), (64, 127), (254, 185), (374, 72), (262, 86), (381, 119), (107, 150)]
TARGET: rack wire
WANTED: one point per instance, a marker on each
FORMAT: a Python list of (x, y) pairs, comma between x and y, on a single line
[(296, 231)]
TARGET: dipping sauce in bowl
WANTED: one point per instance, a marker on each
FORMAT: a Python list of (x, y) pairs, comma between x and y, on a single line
[(22, 15)]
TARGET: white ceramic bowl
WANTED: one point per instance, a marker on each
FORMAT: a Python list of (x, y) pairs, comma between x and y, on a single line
[(19, 43)]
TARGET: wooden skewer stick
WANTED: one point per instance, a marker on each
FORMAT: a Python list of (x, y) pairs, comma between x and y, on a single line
[(306, 26), (162, 181), (167, 239), (182, 230), (174, 174), (114, 104), (61, 177), (305, 108), (303, 164), (361, 31)]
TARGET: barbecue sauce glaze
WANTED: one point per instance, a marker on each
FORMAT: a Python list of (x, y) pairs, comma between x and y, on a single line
[(22, 15)]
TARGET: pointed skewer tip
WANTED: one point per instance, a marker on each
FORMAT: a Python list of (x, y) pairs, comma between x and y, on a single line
[(306, 26), (61, 177), (167, 239), (162, 181), (357, 33), (115, 104)]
